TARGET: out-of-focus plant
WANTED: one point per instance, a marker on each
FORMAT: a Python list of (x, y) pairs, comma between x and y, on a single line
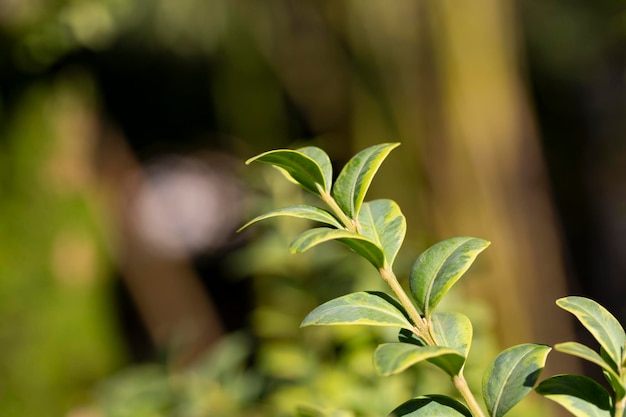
[(219, 385), (57, 323), (375, 230)]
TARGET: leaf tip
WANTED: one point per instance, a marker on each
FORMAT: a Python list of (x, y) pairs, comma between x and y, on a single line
[(251, 160), (561, 301)]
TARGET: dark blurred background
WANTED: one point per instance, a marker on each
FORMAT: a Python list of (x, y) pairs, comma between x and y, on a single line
[(124, 289)]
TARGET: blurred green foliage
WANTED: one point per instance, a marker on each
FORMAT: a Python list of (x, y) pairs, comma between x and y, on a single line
[(56, 313)]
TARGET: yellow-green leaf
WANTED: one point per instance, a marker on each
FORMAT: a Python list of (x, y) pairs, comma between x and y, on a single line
[(323, 161), (366, 308), (437, 269), (301, 211), (298, 167), (584, 352), (454, 331), (601, 324), (359, 244), (392, 358), (383, 223), (511, 376), (580, 395), (356, 176), (431, 406)]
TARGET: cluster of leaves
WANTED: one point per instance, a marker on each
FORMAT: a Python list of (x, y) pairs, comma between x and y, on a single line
[(375, 230), (581, 395)]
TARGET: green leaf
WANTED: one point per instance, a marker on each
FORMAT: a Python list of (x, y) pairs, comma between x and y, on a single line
[(359, 244), (431, 406), (297, 166), (322, 159), (580, 395), (452, 364), (440, 267), (367, 308), (584, 352), (454, 331), (391, 358), (511, 376), (356, 176), (601, 324), (383, 223), (301, 211), (616, 383)]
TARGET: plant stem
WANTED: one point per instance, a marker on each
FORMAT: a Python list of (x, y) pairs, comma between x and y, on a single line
[(420, 323), (619, 407), (461, 385), (337, 211)]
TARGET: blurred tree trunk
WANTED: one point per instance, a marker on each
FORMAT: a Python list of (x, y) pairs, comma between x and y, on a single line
[(487, 174), (178, 314)]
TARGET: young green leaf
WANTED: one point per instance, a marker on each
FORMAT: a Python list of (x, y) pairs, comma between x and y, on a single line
[(437, 269), (383, 223), (392, 358), (359, 244), (580, 395), (601, 324), (323, 160), (367, 308), (511, 376), (431, 406), (356, 176), (584, 352), (301, 211), (454, 331), (297, 166), (614, 381)]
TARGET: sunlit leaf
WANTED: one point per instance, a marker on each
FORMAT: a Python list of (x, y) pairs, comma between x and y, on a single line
[(383, 223), (511, 376), (431, 406), (391, 358), (356, 176), (367, 308), (322, 159), (601, 324), (440, 267), (301, 211), (580, 395), (584, 352), (297, 166), (359, 244), (454, 331), (614, 381)]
